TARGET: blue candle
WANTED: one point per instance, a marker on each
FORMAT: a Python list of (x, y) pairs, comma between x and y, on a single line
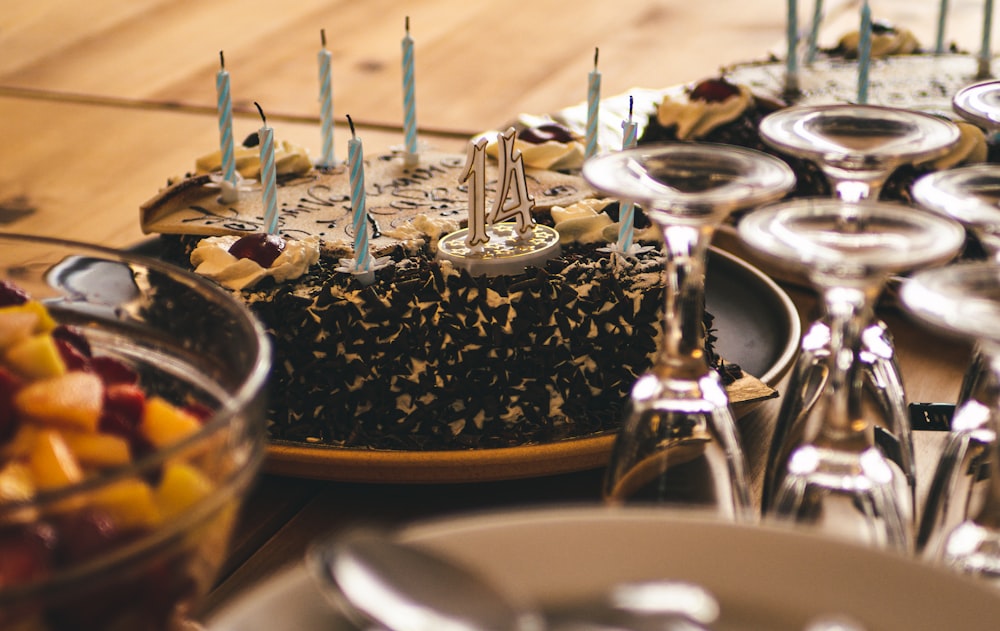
[(864, 53), (326, 103), (986, 52), (356, 165), (409, 99), (268, 174), (942, 19), (792, 55), (814, 32), (593, 104), (224, 106), (626, 212)]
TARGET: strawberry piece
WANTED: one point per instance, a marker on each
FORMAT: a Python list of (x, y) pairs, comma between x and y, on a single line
[(713, 91), (71, 355), (74, 338), (85, 534), (123, 408), (26, 552), (11, 294), (260, 247), (113, 371), (9, 385)]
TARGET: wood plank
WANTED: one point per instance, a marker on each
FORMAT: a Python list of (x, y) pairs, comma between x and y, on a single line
[(477, 64), (81, 171)]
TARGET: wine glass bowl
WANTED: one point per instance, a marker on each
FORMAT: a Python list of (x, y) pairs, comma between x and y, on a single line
[(979, 103), (678, 441), (858, 146), (964, 300), (833, 475)]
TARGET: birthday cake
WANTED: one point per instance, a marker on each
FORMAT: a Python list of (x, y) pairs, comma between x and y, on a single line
[(428, 356)]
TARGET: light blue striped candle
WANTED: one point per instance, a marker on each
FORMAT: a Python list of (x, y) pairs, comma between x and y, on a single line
[(626, 210), (326, 103), (986, 50), (813, 44), (268, 174), (224, 105), (593, 105), (792, 55), (409, 99), (864, 53), (942, 20), (356, 165)]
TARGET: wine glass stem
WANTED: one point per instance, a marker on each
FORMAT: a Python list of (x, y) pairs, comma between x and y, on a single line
[(685, 250), (857, 190), (849, 310)]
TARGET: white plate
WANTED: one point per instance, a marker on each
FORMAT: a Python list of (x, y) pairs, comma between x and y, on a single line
[(765, 578)]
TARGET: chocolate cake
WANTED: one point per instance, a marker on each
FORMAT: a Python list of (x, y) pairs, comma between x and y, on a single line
[(429, 357)]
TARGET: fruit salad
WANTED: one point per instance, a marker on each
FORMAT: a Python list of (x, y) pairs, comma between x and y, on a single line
[(73, 424)]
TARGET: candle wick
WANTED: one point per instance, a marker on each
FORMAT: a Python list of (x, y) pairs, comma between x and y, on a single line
[(630, 106), (261, 110), (222, 60), (322, 36), (596, 51), (350, 123), (407, 25)]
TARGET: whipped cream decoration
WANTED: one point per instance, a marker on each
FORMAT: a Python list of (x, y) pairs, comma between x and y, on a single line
[(582, 222), (289, 159), (885, 40), (696, 117), (543, 144), (211, 258)]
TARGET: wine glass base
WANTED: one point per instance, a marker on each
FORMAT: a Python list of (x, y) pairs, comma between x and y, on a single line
[(678, 445), (852, 496)]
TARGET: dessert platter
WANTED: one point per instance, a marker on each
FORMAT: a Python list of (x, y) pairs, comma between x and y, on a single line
[(770, 582), (393, 364)]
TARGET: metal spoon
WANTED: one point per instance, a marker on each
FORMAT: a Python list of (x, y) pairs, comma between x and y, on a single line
[(375, 580)]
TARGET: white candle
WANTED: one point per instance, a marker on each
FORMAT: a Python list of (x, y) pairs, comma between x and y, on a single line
[(224, 106), (593, 105), (864, 53), (326, 103), (409, 99), (792, 56), (626, 211), (986, 51), (356, 166), (268, 174)]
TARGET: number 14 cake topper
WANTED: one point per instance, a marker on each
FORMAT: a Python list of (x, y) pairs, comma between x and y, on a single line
[(511, 176), (492, 244)]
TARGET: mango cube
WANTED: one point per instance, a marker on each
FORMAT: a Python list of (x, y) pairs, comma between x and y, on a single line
[(51, 462), (129, 503), (181, 487), (98, 450), (73, 400), (164, 424), (36, 357)]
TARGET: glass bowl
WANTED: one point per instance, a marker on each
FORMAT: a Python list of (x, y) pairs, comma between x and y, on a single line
[(133, 544)]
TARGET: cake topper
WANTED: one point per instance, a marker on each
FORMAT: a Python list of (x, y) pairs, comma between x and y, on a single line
[(493, 245)]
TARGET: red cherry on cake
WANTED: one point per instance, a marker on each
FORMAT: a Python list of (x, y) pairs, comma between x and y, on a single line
[(545, 133), (11, 294), (261, 248), (713, 91)]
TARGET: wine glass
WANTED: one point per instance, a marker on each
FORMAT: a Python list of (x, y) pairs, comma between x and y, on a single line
[(969, 195), (678, 442), (837, 479), (979, 103), (857, 147), (964, 299)]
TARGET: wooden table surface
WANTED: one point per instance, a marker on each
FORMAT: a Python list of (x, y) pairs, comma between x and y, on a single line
[(101, 101)]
